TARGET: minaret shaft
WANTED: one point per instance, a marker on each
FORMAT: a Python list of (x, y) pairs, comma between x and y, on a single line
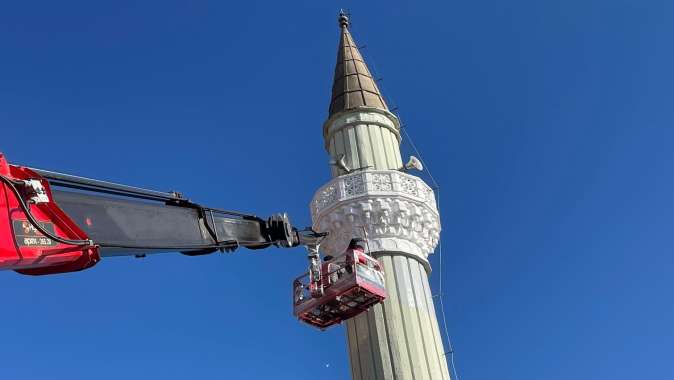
[(400, 338), (397, 214), (368, 139)]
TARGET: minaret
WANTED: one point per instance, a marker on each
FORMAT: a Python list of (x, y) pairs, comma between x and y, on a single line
[(371, 196)]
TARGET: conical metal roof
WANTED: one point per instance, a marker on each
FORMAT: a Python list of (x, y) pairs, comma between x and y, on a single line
[(353, 85)]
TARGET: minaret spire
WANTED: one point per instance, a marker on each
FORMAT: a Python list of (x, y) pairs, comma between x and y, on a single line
[(353, 85), (371, 196)]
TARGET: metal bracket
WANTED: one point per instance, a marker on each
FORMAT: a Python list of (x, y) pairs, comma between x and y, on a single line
[(312, 241)]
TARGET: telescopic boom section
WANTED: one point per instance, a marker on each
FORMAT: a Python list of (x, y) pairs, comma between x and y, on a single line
[(55, 223)]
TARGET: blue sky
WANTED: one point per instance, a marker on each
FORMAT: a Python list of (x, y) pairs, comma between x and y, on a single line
[(548, 125)]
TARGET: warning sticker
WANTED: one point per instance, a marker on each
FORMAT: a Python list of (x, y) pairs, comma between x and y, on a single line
[(28, 236)]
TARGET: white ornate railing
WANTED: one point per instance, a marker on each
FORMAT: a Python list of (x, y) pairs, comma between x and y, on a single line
[(381, 182), (396, 211)]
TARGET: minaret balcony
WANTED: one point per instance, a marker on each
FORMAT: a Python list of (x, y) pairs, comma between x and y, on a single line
[(395, 211)]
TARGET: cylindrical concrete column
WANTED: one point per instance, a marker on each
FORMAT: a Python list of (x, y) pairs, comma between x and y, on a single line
[(397, 214), (369, 139), (398, 339)]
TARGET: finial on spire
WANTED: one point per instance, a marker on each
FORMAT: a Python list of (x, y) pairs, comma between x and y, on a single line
[(353, 85), (343, 19)]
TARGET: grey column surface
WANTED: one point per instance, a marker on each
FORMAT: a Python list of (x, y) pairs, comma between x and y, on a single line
[(399, 339)]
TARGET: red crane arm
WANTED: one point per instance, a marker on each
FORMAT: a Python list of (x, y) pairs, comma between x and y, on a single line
[(54, 223)]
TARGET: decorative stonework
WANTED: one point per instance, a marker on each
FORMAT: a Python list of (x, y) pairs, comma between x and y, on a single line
[(409, 186), (327, 196), (396, 210), (382, 182), (353, 185)]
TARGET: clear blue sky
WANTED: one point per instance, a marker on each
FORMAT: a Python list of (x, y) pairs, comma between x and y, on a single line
[(548, 124)]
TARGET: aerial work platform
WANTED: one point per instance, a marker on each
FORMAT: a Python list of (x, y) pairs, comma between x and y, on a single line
[(349, 285)]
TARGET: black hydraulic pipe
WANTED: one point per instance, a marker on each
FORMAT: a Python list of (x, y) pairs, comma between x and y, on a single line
[(82, 183)]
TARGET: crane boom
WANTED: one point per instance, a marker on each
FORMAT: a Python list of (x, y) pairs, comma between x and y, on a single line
[(136, 220), (57, 223), (61, 223)]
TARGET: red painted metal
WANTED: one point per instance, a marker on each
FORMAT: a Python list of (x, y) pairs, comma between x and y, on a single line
[(352, 283), (26, 250)]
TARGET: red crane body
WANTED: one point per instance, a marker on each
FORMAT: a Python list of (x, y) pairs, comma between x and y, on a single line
[(23, 247)]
